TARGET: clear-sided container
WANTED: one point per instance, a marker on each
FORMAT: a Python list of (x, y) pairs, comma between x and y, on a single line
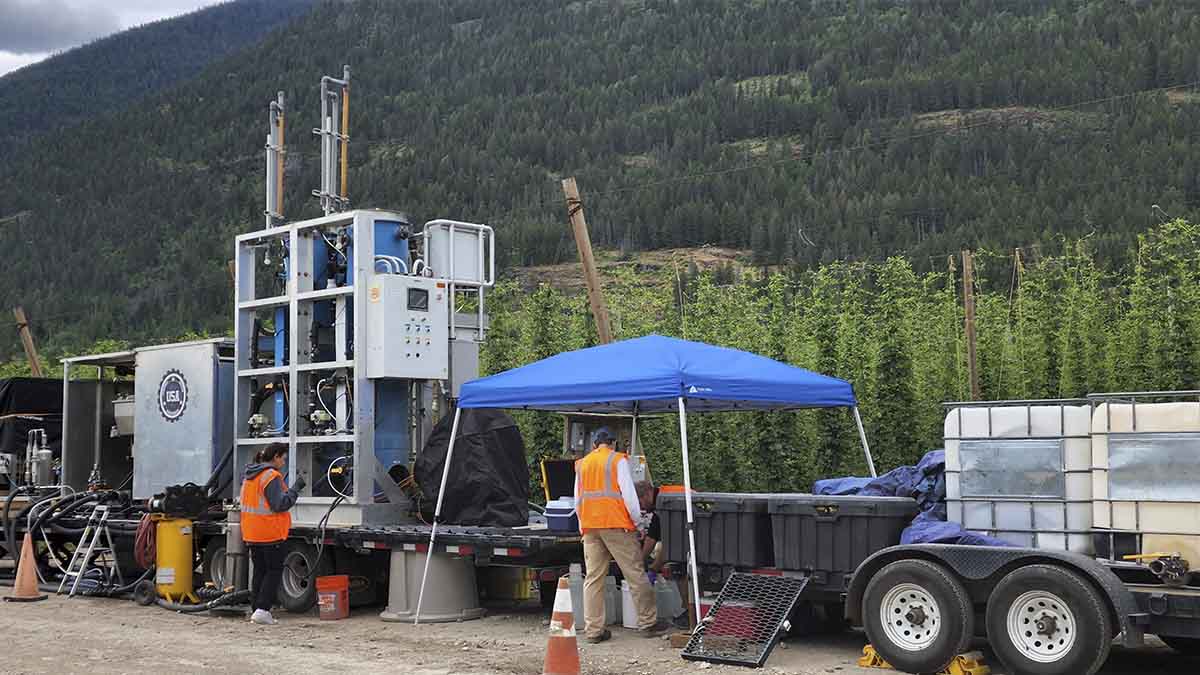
[(1146, 477), (1020, 471)]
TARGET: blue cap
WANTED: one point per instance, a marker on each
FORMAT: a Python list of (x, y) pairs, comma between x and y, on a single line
[(602, 435)]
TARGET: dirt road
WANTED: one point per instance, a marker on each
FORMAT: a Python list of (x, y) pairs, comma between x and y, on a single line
[(110, 637)]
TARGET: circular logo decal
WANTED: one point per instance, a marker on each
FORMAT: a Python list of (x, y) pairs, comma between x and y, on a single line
[(172, 395)]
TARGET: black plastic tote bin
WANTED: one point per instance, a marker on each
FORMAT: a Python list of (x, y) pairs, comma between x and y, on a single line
[(834, 534), (732, 529)]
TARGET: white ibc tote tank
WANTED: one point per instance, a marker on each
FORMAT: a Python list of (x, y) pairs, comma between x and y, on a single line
[(1020, 471), (1146, 478)]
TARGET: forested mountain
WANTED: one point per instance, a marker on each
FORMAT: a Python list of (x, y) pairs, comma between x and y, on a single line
[(808, 131), (108, 74)]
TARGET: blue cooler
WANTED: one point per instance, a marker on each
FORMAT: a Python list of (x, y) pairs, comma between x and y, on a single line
[(561, 516)]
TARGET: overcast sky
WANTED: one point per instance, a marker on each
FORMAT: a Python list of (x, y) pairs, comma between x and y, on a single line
[(31, 30)]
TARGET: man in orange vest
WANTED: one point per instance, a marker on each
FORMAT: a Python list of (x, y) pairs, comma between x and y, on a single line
[(609, 518), (265, 524)]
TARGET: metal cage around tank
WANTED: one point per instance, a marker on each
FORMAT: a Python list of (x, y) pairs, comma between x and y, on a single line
[(374, 389), (1019, 470), (1146, 464)]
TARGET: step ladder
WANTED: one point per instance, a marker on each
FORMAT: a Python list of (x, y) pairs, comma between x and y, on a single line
[(88, 549)]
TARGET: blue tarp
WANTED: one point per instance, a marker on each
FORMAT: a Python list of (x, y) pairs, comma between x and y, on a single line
[(926, 483), (648, 374)]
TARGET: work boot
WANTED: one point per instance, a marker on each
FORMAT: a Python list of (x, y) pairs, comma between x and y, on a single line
[(263, 618), (604, 635), (657, 630)]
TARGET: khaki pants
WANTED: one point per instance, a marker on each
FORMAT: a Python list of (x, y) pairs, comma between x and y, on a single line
[(600, 546)]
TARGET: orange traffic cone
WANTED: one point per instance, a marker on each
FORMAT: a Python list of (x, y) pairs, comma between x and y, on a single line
[(25, 588), (562, 653)]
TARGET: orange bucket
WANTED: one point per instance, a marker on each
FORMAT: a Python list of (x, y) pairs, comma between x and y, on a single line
[(333, 597)]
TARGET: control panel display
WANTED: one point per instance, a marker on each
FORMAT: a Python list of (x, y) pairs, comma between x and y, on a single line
[(418, 300)]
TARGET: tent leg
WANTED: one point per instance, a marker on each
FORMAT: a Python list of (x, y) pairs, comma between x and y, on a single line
[(437, 513), (687, 499), (862, 436)]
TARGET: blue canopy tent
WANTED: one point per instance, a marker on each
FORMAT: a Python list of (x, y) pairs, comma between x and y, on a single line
[(652, 375)]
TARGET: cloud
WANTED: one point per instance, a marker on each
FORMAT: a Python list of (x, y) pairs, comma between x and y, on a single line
[(32, 26), (10, 62)]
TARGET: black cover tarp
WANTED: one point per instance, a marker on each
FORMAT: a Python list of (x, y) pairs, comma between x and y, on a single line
[(489, 477), (30, 403)]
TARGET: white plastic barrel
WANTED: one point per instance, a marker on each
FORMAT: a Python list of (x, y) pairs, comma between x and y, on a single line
[(1021, 472)]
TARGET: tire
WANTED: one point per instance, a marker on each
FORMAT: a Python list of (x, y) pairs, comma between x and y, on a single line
[(214, 563), (929, 615), (364, 591), (298, 588), (1046, 620), (1185, 646), (929, 621), (145, 593)]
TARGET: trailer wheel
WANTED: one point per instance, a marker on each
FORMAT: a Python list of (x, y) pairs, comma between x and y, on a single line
[(1046, 620), (917, 615), (1186, 646), (298, 588), (214, 563)]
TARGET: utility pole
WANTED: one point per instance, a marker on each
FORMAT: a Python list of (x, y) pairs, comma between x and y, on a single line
[(35, 365), (969, 311), (590, 276)]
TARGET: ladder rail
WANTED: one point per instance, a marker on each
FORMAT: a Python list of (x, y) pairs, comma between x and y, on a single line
[(96, 527)]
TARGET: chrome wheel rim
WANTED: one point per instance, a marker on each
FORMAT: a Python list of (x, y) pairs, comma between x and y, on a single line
[(295, 575), (217, 571), (1041, 626), (911, 618)]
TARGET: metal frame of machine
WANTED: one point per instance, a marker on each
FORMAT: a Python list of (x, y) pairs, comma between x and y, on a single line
[(347, 428)]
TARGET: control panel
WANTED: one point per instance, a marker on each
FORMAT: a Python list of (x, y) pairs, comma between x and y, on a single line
[(408, 335)]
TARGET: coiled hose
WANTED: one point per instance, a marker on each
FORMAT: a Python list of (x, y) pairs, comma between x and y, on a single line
[(231, 598), (145, 541)]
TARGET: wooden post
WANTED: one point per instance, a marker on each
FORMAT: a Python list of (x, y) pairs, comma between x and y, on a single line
[(35, 366), (590, 276), (969, 311)]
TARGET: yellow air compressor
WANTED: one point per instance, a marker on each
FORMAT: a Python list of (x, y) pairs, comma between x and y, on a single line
[(174, 559)]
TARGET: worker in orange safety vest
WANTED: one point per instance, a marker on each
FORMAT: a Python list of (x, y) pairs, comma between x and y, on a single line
[(609, 518), (266, 500)]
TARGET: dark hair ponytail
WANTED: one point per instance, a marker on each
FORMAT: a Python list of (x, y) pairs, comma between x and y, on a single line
[(270, 452)]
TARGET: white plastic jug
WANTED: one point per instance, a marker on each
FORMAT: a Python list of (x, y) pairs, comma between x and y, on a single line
[(666, 595), (628, 609), (612, 598), (575, 581), (612, 601)]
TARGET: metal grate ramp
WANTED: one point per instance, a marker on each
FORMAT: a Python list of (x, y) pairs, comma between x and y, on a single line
[(746, 621)]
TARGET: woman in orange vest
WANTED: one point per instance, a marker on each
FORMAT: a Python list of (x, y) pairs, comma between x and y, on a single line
[(265, 524)]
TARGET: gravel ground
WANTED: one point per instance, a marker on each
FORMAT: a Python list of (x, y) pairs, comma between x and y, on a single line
[(108, 637)]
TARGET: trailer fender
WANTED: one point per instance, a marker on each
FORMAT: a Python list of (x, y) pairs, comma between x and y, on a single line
[(981, 567)]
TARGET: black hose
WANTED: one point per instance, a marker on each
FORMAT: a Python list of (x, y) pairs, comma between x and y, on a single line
[(216, 474), (29, 507), (224, 484), (230, 598), (10, 532), (68, 504), (120, 590)]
